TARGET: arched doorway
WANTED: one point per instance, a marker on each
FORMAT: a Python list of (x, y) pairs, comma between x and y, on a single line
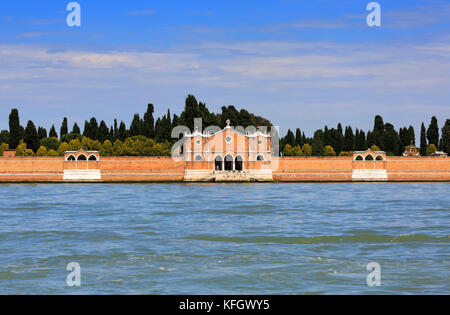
[(229, 163), (218, 163), (238, 164)]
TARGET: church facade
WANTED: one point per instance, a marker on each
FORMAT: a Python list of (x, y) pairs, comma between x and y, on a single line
[(228, 155)]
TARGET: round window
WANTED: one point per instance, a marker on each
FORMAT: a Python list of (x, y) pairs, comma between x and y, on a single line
[(199, 142), (228, 139), (260, 142)]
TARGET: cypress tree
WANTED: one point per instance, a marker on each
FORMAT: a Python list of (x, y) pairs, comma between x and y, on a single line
[(339, 145), (317, 147), (87, 129), (42, 133), (290, 139), (360, 141), (192, 111), (123, 133), (412, 135), (52, 133), (433, 132), (149, 122), (64, 128), (391, 140), (16, 131), (159, 132), (31, 137), (298, 138), (116, 130), (423, 141), (103, 132), (378, 132), (446, 137), (4, 136), (135, 127), (349, 141), (76, 129), (93, 127)]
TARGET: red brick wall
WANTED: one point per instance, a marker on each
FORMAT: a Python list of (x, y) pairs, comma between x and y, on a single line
[(31, 169), (116, 169), (314, 169)]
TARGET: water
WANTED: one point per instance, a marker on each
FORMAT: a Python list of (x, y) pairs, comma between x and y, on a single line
[(225, 239)]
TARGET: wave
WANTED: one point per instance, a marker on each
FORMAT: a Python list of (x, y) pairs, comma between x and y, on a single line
[(364, 238)]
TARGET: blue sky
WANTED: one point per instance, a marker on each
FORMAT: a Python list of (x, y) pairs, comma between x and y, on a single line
[(300, 63)]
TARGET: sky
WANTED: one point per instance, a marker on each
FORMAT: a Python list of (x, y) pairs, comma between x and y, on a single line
[(300, 63)]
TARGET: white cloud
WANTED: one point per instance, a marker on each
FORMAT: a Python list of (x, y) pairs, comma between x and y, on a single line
[(285, 81)]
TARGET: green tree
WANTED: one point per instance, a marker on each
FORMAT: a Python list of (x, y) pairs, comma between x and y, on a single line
[(360, 141), (4, 146), (349, 139), (298, 138), (4, 136), (317, 147), (123, 132), (87, 144), (391, 140), (31, 136), (64, 128), (16, 131), (423, 141), (63, 147), (50, 143), (290, 138), (75, 145), (446, 137), (42, 133), (288, 150), (431, 149), (96, 145), (52, 133), (192, 111), (339, 139), (433, 132), (42, 151), (107, 149), (375, 148), (28, 152), (52, 153), (378, 131), (412, 135), (118, 148), (136, 126), (71, 136), (103, 132), (329, 151), (297, 151), (76, 129), (149, 122), (21, 148), (307, 150)]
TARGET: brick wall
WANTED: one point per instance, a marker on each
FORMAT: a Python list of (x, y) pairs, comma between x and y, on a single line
[(160, 169)]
